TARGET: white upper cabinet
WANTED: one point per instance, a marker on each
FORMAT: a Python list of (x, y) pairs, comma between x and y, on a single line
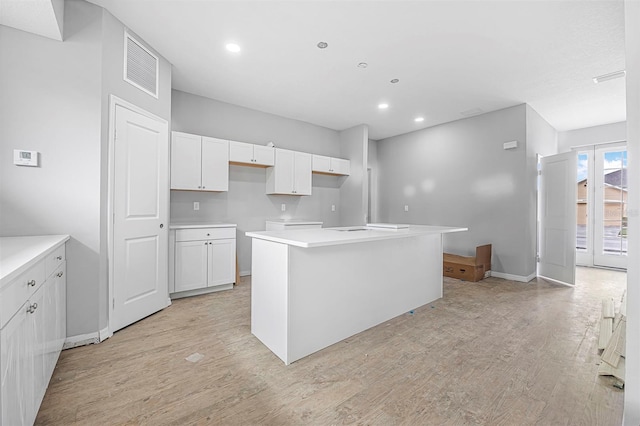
[(330, 165), (215, 164), (199, 163), (291, 173), (250, 154)]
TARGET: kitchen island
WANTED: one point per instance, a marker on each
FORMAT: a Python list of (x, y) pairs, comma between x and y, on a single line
[(312, 288)]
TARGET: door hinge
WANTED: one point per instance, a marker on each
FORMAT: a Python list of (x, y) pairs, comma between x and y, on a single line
[(113, 304), (539, 172), (538, 259)]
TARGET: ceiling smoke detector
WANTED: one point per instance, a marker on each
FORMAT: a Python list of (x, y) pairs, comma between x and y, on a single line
[(323, 45), (363, 65), (395, 80)]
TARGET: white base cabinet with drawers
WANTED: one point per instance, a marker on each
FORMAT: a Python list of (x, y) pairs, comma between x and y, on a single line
[(202, 259), (33, 322)]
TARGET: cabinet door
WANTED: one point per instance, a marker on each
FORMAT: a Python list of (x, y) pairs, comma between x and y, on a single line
[(222, 256), (302, 173), (340, 166), (321, 164), (16, 364), (280, 176), (240, 152), (191, 265), (186, 161), (37, 330), (263, 155), (215, 164)]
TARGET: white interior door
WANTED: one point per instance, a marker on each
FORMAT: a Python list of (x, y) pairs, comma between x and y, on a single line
[(140, 213), (558, 218)]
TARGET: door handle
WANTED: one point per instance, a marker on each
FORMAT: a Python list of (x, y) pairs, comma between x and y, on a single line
[(161, 225)]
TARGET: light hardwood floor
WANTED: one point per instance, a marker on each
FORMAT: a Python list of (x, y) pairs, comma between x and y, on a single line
[(494, 352)]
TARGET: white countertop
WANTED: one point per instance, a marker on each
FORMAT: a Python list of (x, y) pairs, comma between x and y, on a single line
[(308, 238), (195, 225), (294, 222), (17, 254)]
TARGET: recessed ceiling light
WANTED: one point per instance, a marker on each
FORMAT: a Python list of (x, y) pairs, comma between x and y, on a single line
[(363, 65), (418, 119), (383, 106), (323, 45), (610, 76), (233, 47), (394, 81)]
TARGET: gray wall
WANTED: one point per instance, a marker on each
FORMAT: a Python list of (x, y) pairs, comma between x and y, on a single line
[(51, 103), (542, 139), (354, 144), (62, 112), (614, 132), (246, 203), (372, 166), (458, 174), (113, 84)]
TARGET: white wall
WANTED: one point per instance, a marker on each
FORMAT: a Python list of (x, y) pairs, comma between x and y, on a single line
[(632, 379), (246, 203), (55, 100), (614, 132), (458, 174)]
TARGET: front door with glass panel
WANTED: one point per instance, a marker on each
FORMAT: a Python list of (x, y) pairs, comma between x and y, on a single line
[(601, 234)]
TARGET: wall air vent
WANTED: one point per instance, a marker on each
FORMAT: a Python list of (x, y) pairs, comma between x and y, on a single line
[(140, 66)]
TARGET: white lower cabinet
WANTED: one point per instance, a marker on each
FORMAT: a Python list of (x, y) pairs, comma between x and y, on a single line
[(204, 260), (31, 336)]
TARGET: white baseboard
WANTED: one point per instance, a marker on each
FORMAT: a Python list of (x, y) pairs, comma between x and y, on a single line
[(555, 281), (81, 340), (245, 273), (104, 334), (519, 278)]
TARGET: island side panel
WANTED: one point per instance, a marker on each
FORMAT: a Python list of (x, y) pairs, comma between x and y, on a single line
[(269, 295), (338, 291)]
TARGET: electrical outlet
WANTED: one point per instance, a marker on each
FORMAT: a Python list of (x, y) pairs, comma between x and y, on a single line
[(283, 207), (196, 205), (333, 207), (406, 208)]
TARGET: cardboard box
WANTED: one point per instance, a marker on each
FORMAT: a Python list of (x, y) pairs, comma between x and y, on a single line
[(468, 268)]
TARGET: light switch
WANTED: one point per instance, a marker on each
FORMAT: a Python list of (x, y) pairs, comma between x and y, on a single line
[(196, 205), (406, 208), (283, 207), (333, 207)]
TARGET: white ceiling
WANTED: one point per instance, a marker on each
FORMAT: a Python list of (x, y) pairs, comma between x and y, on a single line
[(42, 17), (450, 57)]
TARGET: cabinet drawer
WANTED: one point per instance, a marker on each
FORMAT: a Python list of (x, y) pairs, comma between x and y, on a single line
[(54, 260), (205, 234), (19, 290)]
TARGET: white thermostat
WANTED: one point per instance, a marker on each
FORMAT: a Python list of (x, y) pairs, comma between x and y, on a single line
[(25, 158)]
